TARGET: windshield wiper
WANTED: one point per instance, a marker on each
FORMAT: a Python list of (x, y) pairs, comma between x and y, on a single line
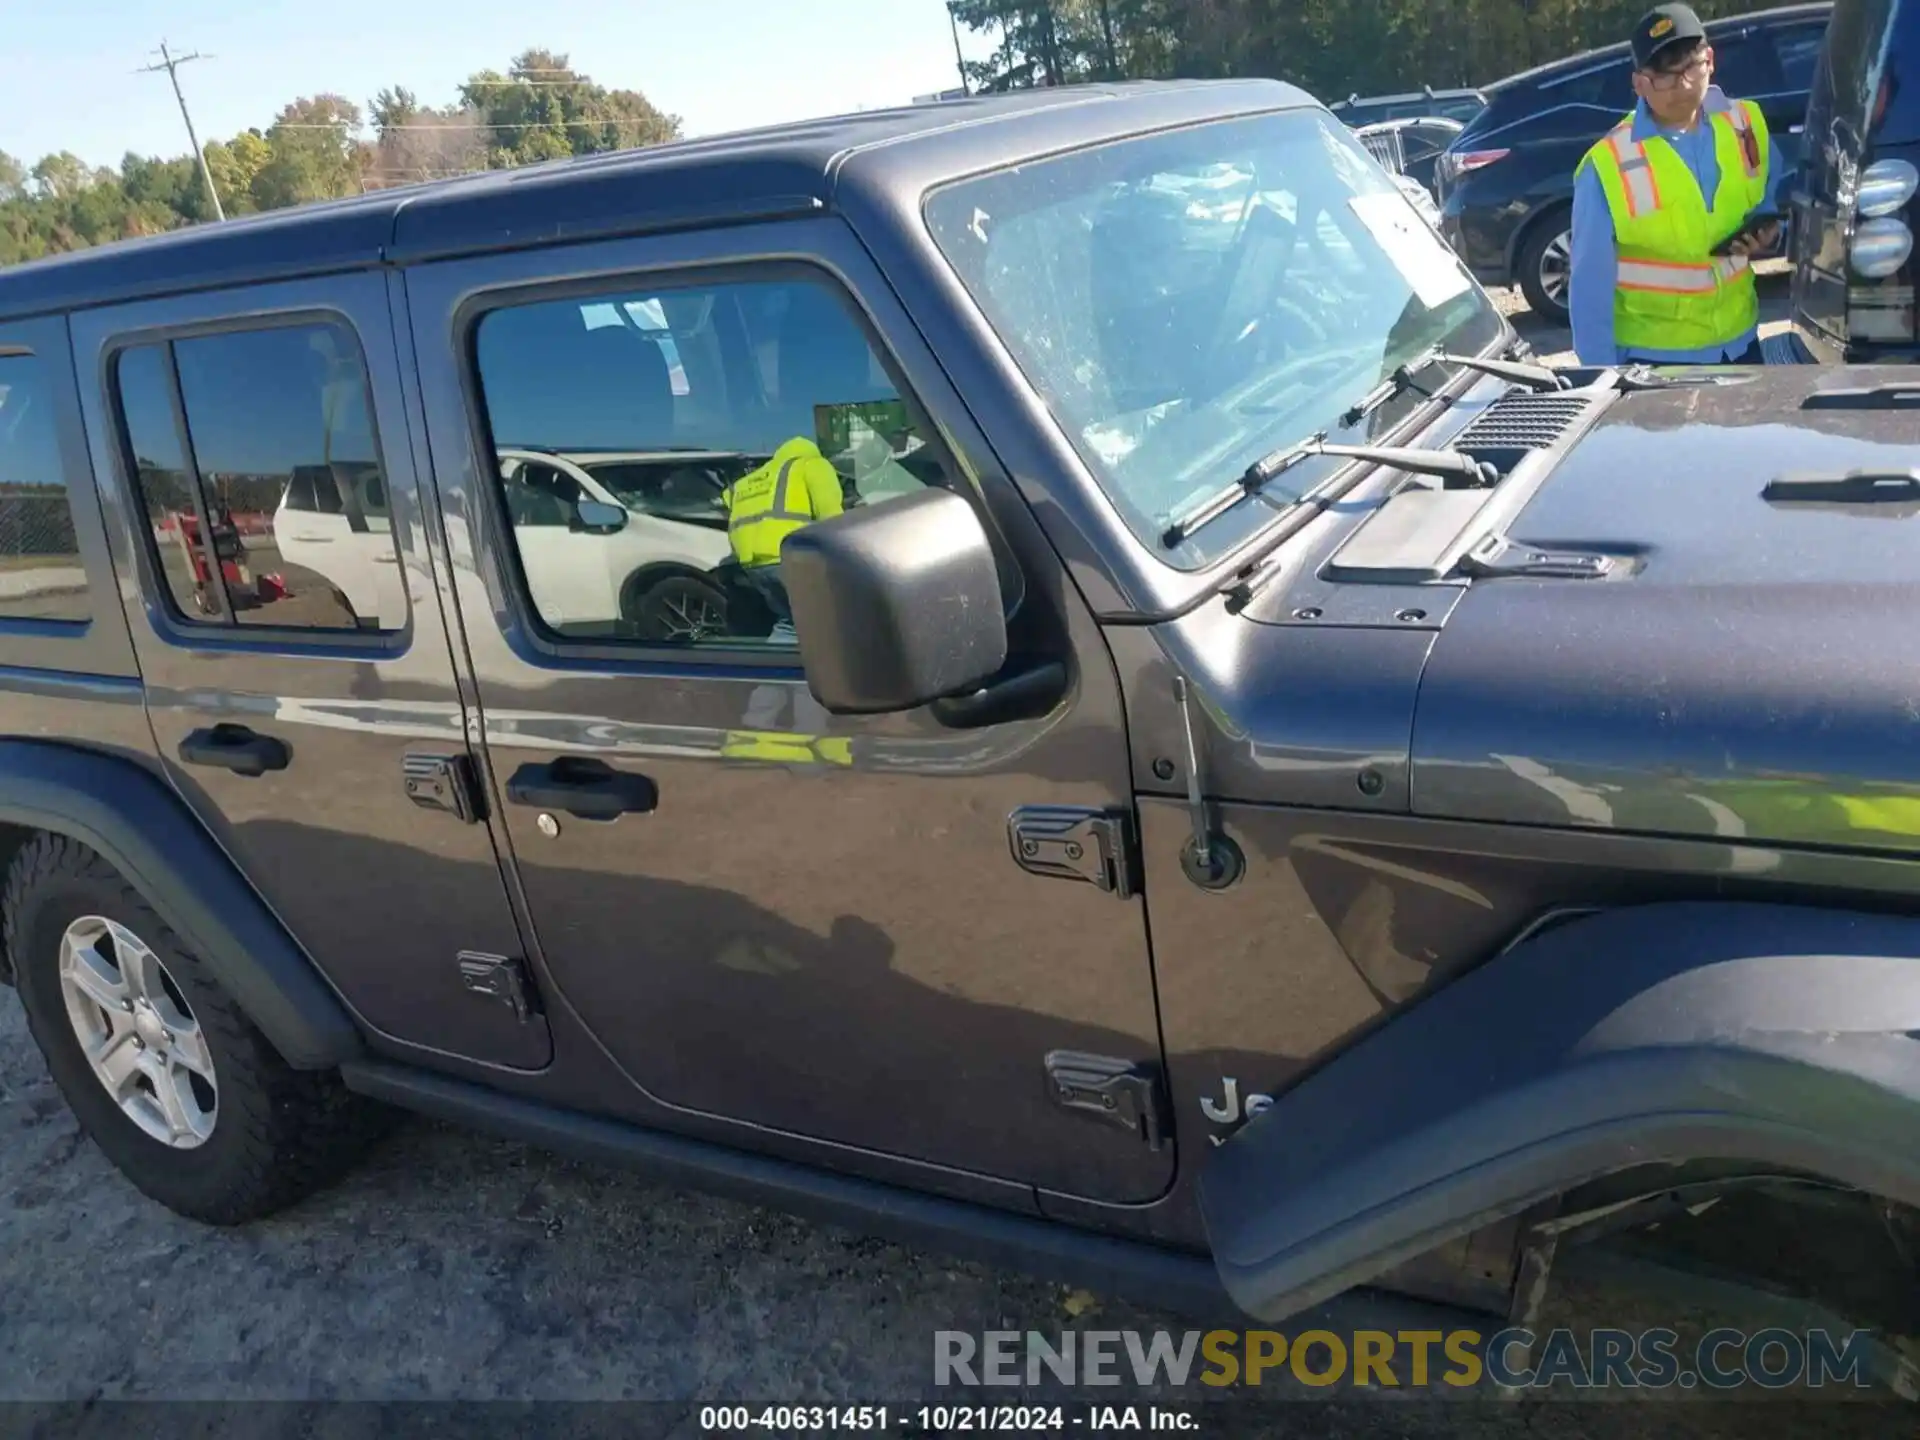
[(1534, 377), (1257, 476)]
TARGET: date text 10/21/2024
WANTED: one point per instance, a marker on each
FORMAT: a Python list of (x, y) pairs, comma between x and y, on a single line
[(947, 1419)]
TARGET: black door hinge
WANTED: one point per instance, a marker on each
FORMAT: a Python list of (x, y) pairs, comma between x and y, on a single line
[(1070, 843), (447, 783), (1104, 1087), (500, 978)]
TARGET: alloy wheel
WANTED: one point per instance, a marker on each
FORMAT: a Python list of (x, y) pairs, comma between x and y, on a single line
[(1556, 267), (137, 1032), (684, 612)]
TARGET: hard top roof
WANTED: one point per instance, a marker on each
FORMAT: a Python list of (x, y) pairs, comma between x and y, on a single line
[(778, 170), (1621, 48)]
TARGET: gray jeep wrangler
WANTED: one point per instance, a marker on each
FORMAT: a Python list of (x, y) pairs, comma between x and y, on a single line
[(1235, 783)]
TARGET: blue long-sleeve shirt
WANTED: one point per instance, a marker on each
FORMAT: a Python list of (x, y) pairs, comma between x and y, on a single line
[(1590, 281)]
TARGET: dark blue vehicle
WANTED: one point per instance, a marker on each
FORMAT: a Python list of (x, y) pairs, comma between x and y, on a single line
[(1858, 204)]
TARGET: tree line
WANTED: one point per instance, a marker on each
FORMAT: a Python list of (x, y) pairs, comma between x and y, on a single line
[(541, 108), (322, 147), (1331, 48)]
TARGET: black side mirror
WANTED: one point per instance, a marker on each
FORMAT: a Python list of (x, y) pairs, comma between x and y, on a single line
[(598, 518), (897, 605)]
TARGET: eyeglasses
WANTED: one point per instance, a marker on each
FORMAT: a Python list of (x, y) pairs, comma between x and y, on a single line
[(1672, 79)]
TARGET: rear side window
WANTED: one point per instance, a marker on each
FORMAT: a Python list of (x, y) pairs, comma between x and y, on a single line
[(1606, 87), (40, 572), (1797, 50), (257, 465), (1744, 65)]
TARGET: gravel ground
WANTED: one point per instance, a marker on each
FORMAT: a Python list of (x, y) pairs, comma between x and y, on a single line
[(453, 1267)]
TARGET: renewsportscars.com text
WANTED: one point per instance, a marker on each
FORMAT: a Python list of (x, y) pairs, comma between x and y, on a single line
[(1514, 1358)]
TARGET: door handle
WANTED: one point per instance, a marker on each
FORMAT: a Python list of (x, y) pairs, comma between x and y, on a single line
[(590, 789), (235, 748)]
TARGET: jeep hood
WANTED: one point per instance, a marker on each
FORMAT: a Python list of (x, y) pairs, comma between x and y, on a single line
[(1751, 670)]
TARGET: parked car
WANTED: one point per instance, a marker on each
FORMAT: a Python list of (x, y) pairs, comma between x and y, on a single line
[(1506, 184), (1460, 105), (646, 556), (1411, 147), (1856, 210), (1522, 766)]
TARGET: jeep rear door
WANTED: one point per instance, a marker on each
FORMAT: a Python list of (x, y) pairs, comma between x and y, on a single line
[(291, 718), (793, 931)]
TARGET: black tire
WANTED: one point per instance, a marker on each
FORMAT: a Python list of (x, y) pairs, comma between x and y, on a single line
[(1536, 262), (278, 1135), (664, 607)]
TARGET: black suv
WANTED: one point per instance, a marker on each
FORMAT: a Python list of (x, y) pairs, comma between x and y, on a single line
[(1855, 209), (1506, 185)]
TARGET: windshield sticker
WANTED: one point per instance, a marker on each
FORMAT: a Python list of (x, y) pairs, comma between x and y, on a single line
[(1423, 260)]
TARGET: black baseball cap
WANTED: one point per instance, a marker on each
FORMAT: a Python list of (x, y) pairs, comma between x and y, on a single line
[(1662, 26)]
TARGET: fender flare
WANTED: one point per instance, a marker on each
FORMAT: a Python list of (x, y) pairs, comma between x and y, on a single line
[(1782, 1035), (146, 832)]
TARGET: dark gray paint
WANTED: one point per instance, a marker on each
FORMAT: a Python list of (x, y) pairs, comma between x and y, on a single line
[(128, 816), (848, 954), (1754, 663), (1771, 1035), (384, 894)]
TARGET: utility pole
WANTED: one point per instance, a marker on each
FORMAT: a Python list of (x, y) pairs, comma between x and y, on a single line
[(959, 57), (171, 64)]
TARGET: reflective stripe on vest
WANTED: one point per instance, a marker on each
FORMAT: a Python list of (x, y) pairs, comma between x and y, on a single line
[(778, 509), (757, 526), (1742, 123), (1672, 277), (1643, 190)]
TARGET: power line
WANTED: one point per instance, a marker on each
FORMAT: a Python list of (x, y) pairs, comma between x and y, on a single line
[(407, 125), (171, 64)]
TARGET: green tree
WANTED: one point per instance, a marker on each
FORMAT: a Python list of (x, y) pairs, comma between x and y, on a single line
[(235, 164), (13, 178), (315, 153), (543, 109), (65, 175)]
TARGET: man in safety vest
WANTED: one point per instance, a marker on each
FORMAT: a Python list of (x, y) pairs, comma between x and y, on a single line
[(797, 486), (1656, 197)]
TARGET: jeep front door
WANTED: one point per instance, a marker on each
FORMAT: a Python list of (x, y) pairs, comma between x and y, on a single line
[(786, 926)]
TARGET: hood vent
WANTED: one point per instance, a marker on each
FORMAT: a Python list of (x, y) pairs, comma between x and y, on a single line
[(1518, 423)]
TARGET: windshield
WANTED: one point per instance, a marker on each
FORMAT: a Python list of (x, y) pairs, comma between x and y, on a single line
[(1188, 302)]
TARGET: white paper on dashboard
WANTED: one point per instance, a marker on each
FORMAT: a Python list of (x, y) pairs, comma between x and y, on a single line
[(1421, 257)]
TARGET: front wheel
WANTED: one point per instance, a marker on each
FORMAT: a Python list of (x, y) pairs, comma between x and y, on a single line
[(1546, 266), (161, 1068)]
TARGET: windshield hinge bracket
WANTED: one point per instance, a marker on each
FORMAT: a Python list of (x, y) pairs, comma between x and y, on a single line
[(1111, 1090), (1066, 842), (1496, 557)]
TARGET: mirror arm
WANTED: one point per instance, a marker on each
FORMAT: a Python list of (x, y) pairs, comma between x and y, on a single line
[(1023, 693)]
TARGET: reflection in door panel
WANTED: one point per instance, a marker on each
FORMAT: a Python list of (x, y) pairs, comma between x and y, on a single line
[(817, 927)]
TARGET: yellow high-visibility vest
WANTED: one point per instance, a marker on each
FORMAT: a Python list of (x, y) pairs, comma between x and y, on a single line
[(795, 487), (1672, 292)]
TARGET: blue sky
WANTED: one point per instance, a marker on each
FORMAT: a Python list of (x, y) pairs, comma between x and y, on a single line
[(66, 69)]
